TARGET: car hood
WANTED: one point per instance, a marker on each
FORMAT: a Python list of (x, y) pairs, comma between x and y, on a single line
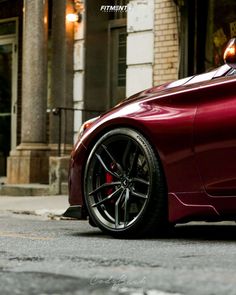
[(128, 106), (172, 87), (216, 73)]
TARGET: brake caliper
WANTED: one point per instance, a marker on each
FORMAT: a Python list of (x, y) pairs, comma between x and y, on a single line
[(109, 179)]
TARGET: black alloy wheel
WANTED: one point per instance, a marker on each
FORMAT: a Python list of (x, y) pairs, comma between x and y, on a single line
[(124, 186)]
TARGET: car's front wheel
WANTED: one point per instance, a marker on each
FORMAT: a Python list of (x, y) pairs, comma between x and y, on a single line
[(124, 185)]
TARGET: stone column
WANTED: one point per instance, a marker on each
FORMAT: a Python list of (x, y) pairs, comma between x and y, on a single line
[(29, 162), (61, 95), (61, 76)]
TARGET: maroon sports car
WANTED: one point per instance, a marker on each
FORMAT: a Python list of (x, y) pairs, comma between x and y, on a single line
[(163, 156)]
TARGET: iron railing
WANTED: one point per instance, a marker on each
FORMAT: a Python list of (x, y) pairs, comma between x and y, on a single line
[(58, 112)]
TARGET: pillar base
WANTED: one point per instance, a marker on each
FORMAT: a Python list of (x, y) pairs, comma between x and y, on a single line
[(58, 173), (65, 149), (29, 163)]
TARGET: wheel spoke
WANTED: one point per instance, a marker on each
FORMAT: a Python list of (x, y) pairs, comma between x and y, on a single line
[(139, 195), (126, 153), (107, 198), (113, 159), (104, 185), (135, 158), (105, 167), (140, 180), (117, 209), (143, 164), (125, 207)]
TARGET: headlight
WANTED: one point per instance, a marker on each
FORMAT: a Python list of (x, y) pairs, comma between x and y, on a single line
[(86, 125)]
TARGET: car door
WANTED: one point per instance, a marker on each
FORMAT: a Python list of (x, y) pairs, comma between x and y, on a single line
[(215, 136)]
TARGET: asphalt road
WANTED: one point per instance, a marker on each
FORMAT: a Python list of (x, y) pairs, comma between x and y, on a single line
[(42, 256)]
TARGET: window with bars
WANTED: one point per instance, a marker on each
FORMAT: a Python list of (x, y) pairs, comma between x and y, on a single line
[(122, 59)]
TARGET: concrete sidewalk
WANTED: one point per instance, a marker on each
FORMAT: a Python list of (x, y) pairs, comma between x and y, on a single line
[(42, 206)]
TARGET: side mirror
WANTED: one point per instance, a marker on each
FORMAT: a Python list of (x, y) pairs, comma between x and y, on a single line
[(230, 53)]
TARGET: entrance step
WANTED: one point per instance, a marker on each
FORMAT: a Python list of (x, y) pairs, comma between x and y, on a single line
[(32, 189), (24, 190)]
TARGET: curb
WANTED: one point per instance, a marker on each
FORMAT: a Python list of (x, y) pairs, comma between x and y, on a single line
[(50, 214)]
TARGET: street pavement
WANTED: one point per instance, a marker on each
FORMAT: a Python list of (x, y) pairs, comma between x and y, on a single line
[(42, 254)]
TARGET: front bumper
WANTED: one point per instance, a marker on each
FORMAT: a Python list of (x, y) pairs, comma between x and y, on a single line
[(76, 176), (75, 211), (77, 207)]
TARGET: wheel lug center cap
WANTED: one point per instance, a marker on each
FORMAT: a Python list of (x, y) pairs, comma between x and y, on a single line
[(125, 182)]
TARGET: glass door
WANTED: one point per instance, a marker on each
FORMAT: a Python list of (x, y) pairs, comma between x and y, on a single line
[(7, 103)]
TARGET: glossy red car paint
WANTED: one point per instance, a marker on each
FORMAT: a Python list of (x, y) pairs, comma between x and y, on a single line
[(191, 124)]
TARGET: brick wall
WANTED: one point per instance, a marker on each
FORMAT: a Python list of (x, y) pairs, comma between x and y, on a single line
[(166, 49)]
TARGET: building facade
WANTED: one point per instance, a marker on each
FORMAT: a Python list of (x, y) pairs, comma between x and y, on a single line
[(57, 71)]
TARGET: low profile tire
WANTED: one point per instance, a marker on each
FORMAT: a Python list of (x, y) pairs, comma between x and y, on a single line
[(124, 186)]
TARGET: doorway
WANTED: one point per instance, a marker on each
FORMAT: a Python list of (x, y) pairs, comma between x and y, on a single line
[(8, 114)]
